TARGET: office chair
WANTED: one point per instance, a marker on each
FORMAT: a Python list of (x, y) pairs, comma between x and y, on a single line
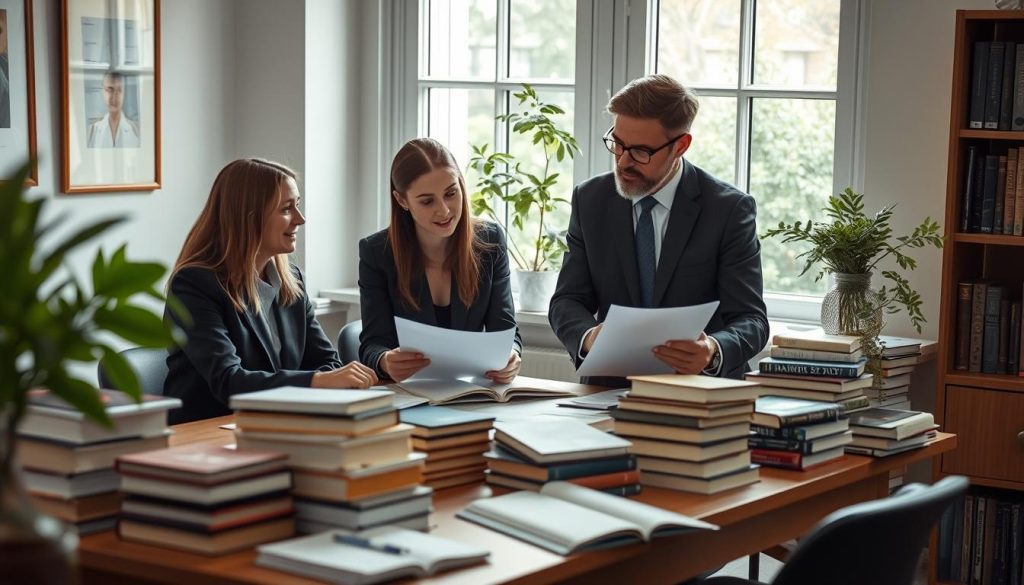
[(149, 364), (877, 542), (348, 341)]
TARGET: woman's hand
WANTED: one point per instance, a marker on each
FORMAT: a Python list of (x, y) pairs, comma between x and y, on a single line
[(351, 375), (509, 372), (399, 365)]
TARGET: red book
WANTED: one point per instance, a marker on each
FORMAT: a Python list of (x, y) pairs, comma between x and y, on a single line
[(792, 459)]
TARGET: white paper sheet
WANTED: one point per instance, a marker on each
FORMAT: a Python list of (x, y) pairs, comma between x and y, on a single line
[(453, 353), (623, 348)]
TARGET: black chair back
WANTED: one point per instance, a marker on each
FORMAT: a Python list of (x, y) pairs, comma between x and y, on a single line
[(348, 341), (150, 366), (877, 542)]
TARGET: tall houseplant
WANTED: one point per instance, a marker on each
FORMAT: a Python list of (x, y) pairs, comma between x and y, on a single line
[(49, 319), (527, 195), (850, 246)]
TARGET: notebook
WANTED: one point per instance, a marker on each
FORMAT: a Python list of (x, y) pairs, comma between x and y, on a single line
[(452, 391), (566, 518), (318, 556)]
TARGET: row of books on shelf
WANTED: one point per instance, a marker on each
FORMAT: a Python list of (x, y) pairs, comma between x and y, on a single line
[(981, 539), (997, 86), (992, 201), (988, 331)]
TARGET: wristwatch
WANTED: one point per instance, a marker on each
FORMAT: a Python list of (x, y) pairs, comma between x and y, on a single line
[(716, 358)]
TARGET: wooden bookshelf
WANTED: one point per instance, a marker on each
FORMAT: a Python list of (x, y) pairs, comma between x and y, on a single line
[(984, 410)]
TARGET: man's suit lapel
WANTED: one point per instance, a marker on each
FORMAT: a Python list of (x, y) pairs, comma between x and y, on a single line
[(620, 214), (681, 220)]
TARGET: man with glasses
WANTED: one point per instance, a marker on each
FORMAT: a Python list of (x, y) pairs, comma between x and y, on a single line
[(661, 232)]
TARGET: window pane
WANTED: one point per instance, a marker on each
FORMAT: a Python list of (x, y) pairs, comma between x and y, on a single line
[(531, 156), (714, 137), (542, 39), (461, 38), (460, 117), (698, 41), (791, 161), (796, 43)]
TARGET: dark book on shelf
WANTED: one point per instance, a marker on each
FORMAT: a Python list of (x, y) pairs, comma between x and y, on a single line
[(979, 84), (990, 339), (1006, 97), (967, 201), (1002, 357), (1010, 192), (994, 93), (988, 201), (977, 325), (1013, 352), (997, 212), (1017, 121), (963, 326), (978, 195)]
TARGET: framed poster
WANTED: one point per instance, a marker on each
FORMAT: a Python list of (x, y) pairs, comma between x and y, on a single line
[(17, 90), (110, 63)]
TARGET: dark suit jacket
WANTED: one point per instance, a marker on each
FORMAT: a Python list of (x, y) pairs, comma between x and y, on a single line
[(710, 252), (380, 301), (228, 352)]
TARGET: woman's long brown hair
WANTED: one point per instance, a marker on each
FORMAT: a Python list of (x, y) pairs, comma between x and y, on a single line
[(416, 158), (227, 235)]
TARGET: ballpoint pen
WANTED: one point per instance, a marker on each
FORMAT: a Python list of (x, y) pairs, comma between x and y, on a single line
[(358, 541)]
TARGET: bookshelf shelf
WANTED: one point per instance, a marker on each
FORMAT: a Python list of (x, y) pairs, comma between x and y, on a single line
[(989, 239), (1002, 382), (991, 134), (996, 483)]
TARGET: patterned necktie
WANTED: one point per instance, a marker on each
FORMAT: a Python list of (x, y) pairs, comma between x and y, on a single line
[(646, 260)]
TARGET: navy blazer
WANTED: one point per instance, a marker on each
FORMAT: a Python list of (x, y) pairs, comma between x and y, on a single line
[(380, 301), (226, 352), (710, 253)]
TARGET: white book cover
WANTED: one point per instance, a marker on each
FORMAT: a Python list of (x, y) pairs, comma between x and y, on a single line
[(312, 400)]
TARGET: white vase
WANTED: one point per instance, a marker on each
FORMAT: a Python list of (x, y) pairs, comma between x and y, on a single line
[(535, 289)]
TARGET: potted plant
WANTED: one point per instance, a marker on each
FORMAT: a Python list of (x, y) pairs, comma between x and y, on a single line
[(48, 319), (850, 245), (529, 196)]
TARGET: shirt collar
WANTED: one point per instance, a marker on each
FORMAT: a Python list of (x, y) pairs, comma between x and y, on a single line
[(667, 194), (270, 288)]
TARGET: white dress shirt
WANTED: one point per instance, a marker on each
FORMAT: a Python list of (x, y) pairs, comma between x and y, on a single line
[(127, 134)]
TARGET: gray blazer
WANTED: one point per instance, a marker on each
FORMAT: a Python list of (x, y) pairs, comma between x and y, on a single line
[(710, 252)]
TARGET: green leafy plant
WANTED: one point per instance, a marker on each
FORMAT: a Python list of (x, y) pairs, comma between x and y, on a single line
[(49, 319), (505, 178), (851, 242)]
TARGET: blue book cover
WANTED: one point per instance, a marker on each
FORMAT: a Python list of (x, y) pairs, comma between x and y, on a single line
[(433, 417), (770, 365), (567, 470)]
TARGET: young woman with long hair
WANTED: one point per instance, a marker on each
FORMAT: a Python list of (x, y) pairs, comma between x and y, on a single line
[(434, 264), (252, 325)]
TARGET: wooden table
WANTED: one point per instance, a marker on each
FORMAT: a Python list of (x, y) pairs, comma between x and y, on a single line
[(783, 505)]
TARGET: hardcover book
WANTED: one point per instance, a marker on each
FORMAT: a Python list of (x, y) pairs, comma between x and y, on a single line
[(770, 365), (313, 401), (693, 389), (817, 339), (558, 441), (438, 421), (780, 411)]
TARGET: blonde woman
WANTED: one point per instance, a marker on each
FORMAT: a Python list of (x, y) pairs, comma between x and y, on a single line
[(252, 324)]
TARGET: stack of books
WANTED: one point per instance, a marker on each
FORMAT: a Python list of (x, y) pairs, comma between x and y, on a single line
[(206, 499), (67, 462), (793, 433), (689, 432), (880, 432), (453, 442), (900, 356), (816, 366), (529, 454), (352, 463)]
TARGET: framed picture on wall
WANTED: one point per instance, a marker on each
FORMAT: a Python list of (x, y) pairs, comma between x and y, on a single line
[(17, 89), (110, 63)]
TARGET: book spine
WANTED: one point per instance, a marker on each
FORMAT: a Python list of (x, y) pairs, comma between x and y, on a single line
[(966, 204), (759, 442), (1002, 356), (1018, 206), (770, 458), (994, 93), (827, 371), (967, 545), (978, 196), (963, 326), (1006, 95), (1015, 556), (1017, 122), (997, 211), (792, 353), (977, 325), (855, 403), (1013, 358), (978, 547), (956, 542), (990, 342), (995, 557), (1010, 196), (979, 84), (988, 202), (569, 471)]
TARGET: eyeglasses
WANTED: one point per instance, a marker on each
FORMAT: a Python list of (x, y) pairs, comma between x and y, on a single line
[(640, 154)]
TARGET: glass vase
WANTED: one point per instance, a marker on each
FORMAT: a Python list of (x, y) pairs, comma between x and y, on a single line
[(847, 304), (34, 548)]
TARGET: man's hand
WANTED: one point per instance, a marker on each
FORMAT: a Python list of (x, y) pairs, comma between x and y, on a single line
[(591, 337), (686, 356), (399, 364)]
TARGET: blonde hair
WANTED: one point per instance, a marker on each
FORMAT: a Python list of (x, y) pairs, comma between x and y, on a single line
[(226, 237), (659, 97)]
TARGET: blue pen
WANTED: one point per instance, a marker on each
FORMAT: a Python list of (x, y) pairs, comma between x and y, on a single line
[(353, 540)]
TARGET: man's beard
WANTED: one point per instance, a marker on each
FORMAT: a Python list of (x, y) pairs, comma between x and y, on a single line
[(639, 187)]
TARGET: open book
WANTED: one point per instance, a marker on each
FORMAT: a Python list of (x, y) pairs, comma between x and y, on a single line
[(566, 518), (461, 390), (319, 556)]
